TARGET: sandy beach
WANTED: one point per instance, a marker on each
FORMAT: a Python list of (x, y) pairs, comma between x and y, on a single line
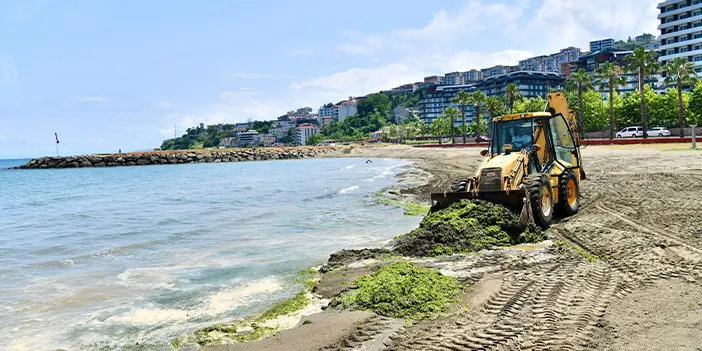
[(640, 217)]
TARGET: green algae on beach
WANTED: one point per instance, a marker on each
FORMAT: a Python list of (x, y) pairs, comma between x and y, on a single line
[(466, 226), (403, 290)]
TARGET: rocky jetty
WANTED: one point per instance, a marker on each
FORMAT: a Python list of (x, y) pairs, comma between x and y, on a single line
[(176, 157)]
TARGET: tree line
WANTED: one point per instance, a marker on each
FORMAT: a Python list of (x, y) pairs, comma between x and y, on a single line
[(584, 90)]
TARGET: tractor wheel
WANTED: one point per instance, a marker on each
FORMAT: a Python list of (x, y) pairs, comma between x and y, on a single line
[(460, 186), (541, 198), (568, 195)]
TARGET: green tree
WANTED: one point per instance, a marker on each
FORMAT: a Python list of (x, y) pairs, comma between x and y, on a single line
[(696, 103), (478, 100), (537, 104), (314, 139), (442, 125), (494, 107), (463, 99), (680, 71), (512, 95), (580, 81), (378, 102), (289, 137), (393, 131), (644, 63), (613, 75)]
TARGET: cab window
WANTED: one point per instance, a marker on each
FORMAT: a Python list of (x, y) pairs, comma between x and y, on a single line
[(519, 134), (563, 141)]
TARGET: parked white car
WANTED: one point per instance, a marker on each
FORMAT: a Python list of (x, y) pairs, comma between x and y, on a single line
[(631, 132), (659, 132)]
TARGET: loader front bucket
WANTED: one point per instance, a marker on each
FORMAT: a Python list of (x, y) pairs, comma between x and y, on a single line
[(513, 199)]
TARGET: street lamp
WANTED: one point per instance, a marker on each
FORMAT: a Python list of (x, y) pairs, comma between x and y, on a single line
[(694, 141)]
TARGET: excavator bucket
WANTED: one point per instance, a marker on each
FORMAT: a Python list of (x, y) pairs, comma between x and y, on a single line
[(515, 200)]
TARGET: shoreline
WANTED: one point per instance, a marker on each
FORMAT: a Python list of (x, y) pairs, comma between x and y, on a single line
[(312, 330)]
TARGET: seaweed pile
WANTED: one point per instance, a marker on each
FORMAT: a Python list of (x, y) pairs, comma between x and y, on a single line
[(466, 226)]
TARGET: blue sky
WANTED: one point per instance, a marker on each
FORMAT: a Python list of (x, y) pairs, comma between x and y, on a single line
[(109, 75)]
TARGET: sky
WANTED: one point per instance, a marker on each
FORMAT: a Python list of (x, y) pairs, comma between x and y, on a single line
[(110, 75)]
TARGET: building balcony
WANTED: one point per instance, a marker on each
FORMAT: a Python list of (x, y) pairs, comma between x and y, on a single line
[(670, 2), (667, 47), (680, 10), (666, 57), (663, 37), (680, 21)]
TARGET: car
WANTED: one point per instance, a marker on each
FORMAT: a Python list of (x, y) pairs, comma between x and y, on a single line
[(659, 132), (631, 132)]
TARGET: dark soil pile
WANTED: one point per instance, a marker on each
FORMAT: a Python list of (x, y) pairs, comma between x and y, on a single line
[(466, 226), (345, 257)]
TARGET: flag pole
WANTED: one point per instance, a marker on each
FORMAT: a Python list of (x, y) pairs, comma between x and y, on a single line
[(57, 143)]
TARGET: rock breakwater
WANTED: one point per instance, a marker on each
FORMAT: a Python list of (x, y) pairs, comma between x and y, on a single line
[(176, 157)]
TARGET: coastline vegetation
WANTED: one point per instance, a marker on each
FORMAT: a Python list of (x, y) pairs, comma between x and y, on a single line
[(403, 290), (466, 226)]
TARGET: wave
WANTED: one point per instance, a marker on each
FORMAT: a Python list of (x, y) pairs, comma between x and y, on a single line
[(349, 189)]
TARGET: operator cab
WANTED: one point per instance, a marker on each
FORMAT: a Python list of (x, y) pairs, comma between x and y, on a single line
[(548, 139)]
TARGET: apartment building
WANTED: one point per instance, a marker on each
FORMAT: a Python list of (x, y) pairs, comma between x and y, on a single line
[(592, 61), (550, 63), (250, 137), (346, 109), (436, 99), (434, 80), (681, 31), (599, 45), (328, 110), (303, 133), (497, 70)]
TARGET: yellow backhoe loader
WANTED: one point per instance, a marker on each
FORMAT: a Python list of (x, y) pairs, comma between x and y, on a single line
[(533, 163)]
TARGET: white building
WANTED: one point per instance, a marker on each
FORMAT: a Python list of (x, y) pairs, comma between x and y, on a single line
[(328, 111), (599, 45), (303, 133), (346, 109), (550, 63), (681, 31), (247, 138)]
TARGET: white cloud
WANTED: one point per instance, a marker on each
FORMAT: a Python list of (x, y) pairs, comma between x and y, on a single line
[(497, 32), (3, 138), (302, 52), (166, 105), (92, 99), (231, 107)]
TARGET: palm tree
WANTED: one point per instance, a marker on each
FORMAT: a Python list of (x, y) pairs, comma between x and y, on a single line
[(613, 75), (478, 99), (512, 94), (645, 63), (463, 99), (680, 71), (581, 81), (445, 121), (493, 106)]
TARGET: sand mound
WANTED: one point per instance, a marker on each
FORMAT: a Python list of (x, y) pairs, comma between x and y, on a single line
[(466, 226)]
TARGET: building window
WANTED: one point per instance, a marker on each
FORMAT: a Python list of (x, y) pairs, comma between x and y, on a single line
[(670, 41), (698, 70), (683, 50), (685, 38), (671, 52), (698, 35), (697, 13)]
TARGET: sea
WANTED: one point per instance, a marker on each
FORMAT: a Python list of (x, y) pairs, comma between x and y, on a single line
[(104, 258)]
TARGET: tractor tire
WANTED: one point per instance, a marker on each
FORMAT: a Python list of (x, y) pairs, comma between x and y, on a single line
[(460, 186), (568, 195), (541, 198)]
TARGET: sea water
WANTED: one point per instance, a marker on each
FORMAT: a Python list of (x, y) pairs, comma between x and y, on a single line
[(103, 258)]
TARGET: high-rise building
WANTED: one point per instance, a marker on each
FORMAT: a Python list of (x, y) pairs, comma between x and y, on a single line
[(599, 45), (681, 31), (436, 98), (434, 80)]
